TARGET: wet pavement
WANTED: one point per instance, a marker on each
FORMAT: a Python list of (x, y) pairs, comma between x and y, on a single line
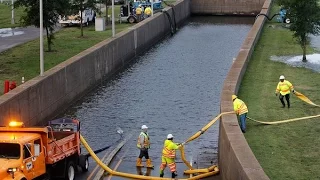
[(11, 37), (173, 88)]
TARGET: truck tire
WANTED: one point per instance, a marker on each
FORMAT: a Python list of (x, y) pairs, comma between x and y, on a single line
[(70, 171), (84, 163), (131, 20)]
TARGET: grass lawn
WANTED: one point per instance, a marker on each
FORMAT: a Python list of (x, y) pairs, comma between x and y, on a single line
[(285, 151), (23, 60), (5, 16)]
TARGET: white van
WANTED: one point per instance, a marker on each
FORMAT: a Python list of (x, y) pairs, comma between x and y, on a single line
[(88, 15)]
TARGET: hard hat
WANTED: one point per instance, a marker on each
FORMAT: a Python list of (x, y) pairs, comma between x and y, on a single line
[(169, 136), (234, 97), (144, 127), (281, 77)]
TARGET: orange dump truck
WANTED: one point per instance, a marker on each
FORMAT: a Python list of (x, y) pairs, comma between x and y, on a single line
[(34, 152)]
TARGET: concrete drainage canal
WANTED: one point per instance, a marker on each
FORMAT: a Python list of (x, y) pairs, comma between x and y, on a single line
[(173, 88)]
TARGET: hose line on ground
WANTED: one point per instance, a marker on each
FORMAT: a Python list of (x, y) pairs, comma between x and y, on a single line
[(135, 176), (266, 16), (300, 96), (170, 21), (174, 15), (201, 173)]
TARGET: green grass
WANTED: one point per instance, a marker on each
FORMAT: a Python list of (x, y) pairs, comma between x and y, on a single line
[(5, 16), (23, 60), (285, 151)]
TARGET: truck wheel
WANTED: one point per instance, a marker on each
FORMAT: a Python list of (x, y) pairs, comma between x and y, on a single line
[(84, 163), (131, 20), (70, 171)]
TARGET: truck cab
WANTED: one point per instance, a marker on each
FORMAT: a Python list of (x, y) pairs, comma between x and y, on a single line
[(22, 155), (27, 153)]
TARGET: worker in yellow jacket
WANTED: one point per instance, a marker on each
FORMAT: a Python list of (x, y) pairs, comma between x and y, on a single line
[(168, 156), (139, 13), (148, 11), (143, 143), (240, 109), (284, 87)]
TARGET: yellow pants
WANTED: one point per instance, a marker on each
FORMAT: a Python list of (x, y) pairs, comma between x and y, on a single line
[(167, 161)]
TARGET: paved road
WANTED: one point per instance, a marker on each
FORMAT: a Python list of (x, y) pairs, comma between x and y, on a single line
[(13, 37)]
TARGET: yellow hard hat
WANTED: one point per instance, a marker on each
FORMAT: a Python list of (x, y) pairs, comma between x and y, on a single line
[(234, 97)]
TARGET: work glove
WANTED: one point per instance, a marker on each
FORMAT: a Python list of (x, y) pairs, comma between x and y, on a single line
[(276, 94), (293, 91)]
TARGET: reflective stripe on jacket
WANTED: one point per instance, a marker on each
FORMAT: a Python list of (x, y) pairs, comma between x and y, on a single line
[(239, 106), (169, 149), (145, 140), (284, 87)]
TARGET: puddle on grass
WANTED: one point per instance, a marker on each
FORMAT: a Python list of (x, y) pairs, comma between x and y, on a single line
[(7, 32), (313, 61)]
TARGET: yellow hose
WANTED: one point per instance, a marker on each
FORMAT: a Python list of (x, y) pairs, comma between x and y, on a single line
[(305, 99), (216, 171), (134, 176), (112, 172), (300, 96), (283, 121), (206, 127), (183, 157), (205, 170)]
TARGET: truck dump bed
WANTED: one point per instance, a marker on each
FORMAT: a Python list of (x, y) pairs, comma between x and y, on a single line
[(63, 139)]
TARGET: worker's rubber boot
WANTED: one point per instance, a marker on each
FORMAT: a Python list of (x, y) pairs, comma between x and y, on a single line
[(174, 174), (139, 162), (149, 164), (161, 175)]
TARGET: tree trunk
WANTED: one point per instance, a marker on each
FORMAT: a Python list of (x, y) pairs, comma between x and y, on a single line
[(48, 39), (304, 56), (107, 19), (81, 24), (304, 48)]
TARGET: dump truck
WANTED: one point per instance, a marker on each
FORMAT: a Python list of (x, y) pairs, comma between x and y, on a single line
[(41, 152)]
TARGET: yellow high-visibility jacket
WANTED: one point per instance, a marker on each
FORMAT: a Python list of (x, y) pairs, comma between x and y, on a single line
[(239, 106), (138, 11), (284, 87), (148, 11), (169, 149), (143, 139)]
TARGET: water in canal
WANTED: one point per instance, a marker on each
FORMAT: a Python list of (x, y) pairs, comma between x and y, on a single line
[(173, 88)]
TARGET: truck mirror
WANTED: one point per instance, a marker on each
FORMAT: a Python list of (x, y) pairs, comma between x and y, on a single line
[(36, 150)]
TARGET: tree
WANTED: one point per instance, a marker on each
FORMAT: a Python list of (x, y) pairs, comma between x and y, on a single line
[(80, 6), (305, 19), (51, 11)]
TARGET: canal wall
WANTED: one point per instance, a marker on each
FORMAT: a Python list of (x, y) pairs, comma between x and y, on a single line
[(41, 98), (226, 7), (236, 160)]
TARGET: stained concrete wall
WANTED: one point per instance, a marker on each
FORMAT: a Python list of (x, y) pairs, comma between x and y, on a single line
[(41, 98), (230, 7), (236, 160)]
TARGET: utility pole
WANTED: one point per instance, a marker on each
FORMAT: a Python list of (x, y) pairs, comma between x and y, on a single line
[(12, 12), (41, 39), (151, 7), (113, 28)]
